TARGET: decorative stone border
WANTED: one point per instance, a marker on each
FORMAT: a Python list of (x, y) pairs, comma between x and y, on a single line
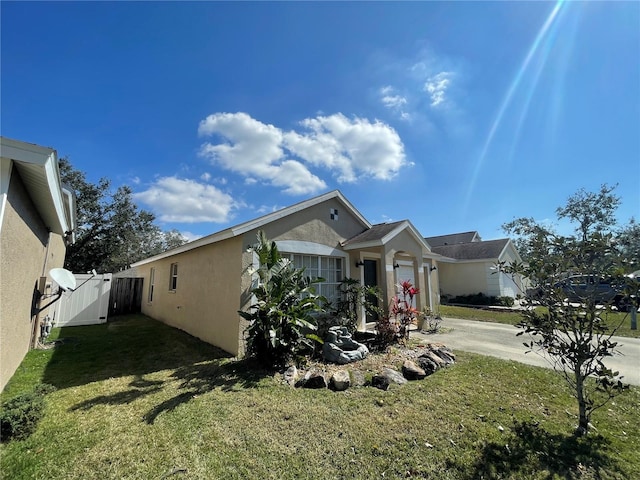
[(432, 358)]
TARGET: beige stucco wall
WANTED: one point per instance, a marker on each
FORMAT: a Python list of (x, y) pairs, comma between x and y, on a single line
[(27, 252), (213, 283), (207, 298), (313, 224), (463, 278)]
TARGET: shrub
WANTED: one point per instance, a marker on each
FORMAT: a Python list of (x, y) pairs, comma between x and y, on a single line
[(506, 301), (480, 299), (20, 415)]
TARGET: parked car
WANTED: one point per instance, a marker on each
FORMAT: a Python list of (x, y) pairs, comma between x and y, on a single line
[(584, 288)]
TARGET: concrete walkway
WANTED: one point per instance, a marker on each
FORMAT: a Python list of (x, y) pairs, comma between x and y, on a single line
[(499, 340)]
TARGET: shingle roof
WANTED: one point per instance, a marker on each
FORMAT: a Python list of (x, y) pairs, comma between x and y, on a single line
[(490, 249), (376, 232), (452, 239)]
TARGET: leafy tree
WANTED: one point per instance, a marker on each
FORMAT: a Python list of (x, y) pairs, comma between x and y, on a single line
[(281, 323), (112, 232), (576, 338), (628, 239)]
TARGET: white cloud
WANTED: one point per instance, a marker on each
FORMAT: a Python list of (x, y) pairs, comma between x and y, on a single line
[(391, 99), (254, 149), (187, 201), (205, 176), (350, 148), (436, 86), (190, 236)]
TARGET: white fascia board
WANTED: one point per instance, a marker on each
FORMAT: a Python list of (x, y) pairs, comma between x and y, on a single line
[(201, 242), (510, 245), (5, 177), (47, 161), (53, 179), (70, 210), (477, 260), (256, 223), (298, 207)]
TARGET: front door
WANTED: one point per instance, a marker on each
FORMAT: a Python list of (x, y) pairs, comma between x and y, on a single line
[(371, 280)]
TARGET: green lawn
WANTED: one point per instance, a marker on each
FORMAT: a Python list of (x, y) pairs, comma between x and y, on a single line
[(139, 400), (513, 317)]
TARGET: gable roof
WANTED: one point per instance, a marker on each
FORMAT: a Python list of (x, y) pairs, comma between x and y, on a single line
[(258, 223), (382, 233), (453, 239), (373, 236), (38, 169), (485, 250)]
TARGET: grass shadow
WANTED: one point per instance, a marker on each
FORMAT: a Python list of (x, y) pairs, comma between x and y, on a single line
[(201, 378), (531, 450), (135, 345), (130, 345)]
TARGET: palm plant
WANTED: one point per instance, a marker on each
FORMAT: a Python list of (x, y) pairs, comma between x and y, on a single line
[(281, 324)]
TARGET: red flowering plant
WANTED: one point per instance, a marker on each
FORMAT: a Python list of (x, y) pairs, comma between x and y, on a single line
[(402, 307)]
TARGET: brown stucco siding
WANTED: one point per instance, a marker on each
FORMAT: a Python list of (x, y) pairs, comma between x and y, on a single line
[(28, 252), (206, 301)]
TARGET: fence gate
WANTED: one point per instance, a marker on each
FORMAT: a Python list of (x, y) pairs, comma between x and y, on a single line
[(126, 296), (88, 304)]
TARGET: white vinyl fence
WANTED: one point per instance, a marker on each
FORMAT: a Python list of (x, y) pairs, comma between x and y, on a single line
[(88, 304)]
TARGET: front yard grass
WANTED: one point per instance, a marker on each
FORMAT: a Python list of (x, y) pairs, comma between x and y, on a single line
[(139, 400), (513, 317)]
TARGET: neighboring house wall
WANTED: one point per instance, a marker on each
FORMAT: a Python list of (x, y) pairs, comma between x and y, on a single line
[(463, 278), (29, 251)]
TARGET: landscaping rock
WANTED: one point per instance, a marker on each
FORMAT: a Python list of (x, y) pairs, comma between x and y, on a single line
[(445, 354), (340, 380), (434, 358), (340, 348), (314, 379), (394, 376), (381, 382), (411, 371), (291, 375), (358, 378), (428, 365)]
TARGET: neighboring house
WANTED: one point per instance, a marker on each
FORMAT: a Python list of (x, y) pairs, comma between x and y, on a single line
[(200, 286), (37, 219), (469, 266)]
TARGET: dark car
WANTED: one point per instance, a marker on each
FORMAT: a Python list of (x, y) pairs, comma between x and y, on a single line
[(587, 288)]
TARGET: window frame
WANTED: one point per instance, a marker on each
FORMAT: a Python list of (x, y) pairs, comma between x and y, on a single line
[(152, 282), (317, 269), (173, 277)]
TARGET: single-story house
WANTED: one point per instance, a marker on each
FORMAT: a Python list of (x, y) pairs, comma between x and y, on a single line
[(468, 265), (37, 220), (200, 286)]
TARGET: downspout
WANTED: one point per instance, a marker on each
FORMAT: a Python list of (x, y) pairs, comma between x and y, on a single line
[(36, 323)]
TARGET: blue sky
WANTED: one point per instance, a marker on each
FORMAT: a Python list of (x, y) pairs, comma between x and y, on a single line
[(458, 116)]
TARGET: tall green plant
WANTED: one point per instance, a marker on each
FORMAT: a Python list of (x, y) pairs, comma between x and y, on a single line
[(281, 324), (353, 297)]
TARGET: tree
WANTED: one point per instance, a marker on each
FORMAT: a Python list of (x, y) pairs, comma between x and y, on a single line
[(576, 337), (112, 232)]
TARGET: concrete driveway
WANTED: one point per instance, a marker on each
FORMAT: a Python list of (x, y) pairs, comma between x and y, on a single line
[(499, 340)]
